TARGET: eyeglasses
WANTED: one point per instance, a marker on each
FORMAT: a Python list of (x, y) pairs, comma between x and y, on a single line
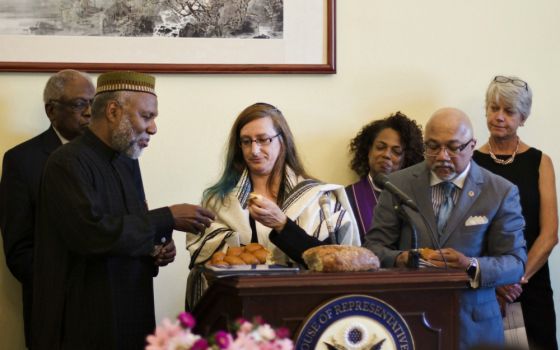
[(76, 105), (260, 141), (516, 82), (432, 149)]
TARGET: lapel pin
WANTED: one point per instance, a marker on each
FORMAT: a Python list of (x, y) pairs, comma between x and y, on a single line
[(471, 194)]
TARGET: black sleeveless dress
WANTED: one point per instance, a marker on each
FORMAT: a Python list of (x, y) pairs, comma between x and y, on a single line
[(536, 299)]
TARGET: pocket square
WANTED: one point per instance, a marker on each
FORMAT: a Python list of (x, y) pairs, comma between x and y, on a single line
[(476, 220)]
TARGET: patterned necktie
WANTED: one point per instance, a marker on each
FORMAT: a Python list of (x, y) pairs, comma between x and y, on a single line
[(446, 205)]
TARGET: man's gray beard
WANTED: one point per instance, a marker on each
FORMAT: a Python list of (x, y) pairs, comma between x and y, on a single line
[(450, 177), (123, 139)]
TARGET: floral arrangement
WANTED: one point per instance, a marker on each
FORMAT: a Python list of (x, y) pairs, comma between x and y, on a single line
[(255, 335)]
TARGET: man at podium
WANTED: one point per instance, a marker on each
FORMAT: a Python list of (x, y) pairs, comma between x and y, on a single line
[(470, 217)]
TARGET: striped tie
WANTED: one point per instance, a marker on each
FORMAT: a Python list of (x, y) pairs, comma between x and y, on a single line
[(446, 205)]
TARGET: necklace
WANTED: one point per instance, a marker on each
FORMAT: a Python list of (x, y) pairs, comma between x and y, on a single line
[(503, 161), (374, 188)]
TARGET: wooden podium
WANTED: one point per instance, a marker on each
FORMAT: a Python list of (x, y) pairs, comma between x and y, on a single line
[(428, 299)]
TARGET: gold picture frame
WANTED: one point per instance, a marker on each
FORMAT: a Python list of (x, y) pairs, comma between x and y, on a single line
[(308, 46)]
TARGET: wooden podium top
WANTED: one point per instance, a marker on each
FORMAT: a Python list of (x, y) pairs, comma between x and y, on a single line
[(383, 278)]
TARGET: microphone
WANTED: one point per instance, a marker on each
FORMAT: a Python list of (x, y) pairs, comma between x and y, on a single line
[(325, 204), (382, 181)]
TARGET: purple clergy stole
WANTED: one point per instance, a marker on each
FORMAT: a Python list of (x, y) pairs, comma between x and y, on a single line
[(363, 201)]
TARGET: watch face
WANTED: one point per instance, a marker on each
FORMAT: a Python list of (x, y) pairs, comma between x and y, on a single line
[(471, 270)]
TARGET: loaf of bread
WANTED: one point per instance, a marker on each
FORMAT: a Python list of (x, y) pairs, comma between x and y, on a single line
[(340, 258), (251, 254)]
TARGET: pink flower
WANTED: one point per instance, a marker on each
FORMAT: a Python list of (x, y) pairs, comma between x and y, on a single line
[(171, 328), (162, 335), (238, 322), (283, 332), (158, 341), (177, 335), (244, 342), (184, 340), (245, 327), (266, 332), (187, 320), (284, 344), (222, 339), (200, 344)]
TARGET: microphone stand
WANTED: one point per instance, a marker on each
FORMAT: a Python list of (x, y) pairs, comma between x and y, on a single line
[(325, 204), (413, 254)]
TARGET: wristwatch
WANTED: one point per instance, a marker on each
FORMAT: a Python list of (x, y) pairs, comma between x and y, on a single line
[(471, 269)]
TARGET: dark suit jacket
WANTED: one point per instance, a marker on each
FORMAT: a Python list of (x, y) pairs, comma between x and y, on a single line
[(495, 238), (92, 265), (19, 189)]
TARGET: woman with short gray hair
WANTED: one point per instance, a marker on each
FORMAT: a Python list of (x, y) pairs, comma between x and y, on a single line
[(508, 105)]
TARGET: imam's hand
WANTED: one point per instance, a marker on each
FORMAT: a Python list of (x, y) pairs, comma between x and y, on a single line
[(191, 218), (166, 254)]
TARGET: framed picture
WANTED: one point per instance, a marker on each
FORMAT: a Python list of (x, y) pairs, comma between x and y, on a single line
[(169, 36)]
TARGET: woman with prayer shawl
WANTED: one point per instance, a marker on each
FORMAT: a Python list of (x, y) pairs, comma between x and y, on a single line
[(285, 217), (382, 146)]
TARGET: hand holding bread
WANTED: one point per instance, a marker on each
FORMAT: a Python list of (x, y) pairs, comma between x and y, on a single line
[(446, 257), (266, 212)]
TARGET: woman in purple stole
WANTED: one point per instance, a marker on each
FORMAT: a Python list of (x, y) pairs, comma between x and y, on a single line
[(382, 146)]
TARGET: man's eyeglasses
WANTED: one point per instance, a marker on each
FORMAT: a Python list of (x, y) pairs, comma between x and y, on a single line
[(516, 82), (432, 149), (260, 141), (76, 105)]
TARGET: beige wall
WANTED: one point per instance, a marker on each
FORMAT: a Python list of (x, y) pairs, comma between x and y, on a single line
[(413, 56)]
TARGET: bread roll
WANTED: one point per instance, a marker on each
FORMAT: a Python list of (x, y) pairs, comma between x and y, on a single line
[(251, 254), (340, 258), (234, 260), (234, 251), (218, 259), (425, 253), (432, 256), (251, 247), (219, 255), (254, 195), (249, 258), (261, 255)]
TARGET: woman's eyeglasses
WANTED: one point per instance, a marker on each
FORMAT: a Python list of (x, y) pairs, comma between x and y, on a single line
[(260, 141), (516, 82)]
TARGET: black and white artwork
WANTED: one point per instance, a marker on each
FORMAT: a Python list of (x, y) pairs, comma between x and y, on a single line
[(258, 19)]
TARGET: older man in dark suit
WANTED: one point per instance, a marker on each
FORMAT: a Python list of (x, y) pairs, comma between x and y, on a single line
[(472, 214), (67, 97)]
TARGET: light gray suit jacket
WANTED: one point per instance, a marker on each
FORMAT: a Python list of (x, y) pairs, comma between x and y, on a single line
[(498, 244)]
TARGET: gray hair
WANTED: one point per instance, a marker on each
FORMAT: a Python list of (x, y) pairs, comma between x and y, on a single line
[(54, 89), (520, 97), (101, 100)]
